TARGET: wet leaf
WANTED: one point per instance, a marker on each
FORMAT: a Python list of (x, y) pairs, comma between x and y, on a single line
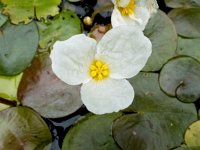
[(9, 86), (162, 34), (18, 44), (92, 132), (180, 77), (26, 10), (21, 128), (187, 21), (156, 125), (182, 148), (3, 18), (192, 136), (3, 106), (44, 92), (62, 27), (189, 47), (182, 3)]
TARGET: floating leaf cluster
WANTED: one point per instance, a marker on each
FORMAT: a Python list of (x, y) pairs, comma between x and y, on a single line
[(164, 114)]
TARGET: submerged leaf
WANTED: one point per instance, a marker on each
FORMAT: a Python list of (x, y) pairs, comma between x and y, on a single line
[(44, 92), (21, 128), (26, 10), (18, 45), (92, 133)]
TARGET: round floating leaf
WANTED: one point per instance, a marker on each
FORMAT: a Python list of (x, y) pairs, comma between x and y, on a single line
[(92, 132), (43, 91), (3, 106), (21, 128), (189, 47), (61, 27), (182, 3), (3, 18), (9, 86), (26, 10), (161, 31), (180, 77), (18, 44), (187, 21), (182, 148), (156, 125), (192, 136)]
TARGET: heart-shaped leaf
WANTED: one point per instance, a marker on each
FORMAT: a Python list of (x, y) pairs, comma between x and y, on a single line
[(189, 47), (156, 125), (182, 3), (25, 11), (187, 21), (61, 27), (161, 31), (192, 136), (18, 44), (92, 133), (9, 86), (180, 77)]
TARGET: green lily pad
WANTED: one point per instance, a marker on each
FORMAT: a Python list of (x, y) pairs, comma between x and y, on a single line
[(44, 92), (180, 77), (9, 86), (182, 148), (61, 27), (3, 18), (92, 133), (3, 106), (18, 45), (192, 136), (187, 21), (189, 47), (182, 3), (156, 125), (21, 128), (161, 31), (26, 10)]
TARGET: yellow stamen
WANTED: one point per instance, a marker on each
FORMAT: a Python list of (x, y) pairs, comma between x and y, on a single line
[(99, 70), (128, 9)]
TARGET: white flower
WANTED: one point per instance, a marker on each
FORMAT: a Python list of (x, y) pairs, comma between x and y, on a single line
[(133, 12), (102, 67)]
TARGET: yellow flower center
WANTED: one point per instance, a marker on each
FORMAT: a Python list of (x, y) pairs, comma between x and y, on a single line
[(99, 70), (128, 9)]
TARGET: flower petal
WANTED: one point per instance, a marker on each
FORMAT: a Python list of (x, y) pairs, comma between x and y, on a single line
[(142, 12), (139, 18), (125, 49), (71, 59), (107, 96), (117, 19)]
